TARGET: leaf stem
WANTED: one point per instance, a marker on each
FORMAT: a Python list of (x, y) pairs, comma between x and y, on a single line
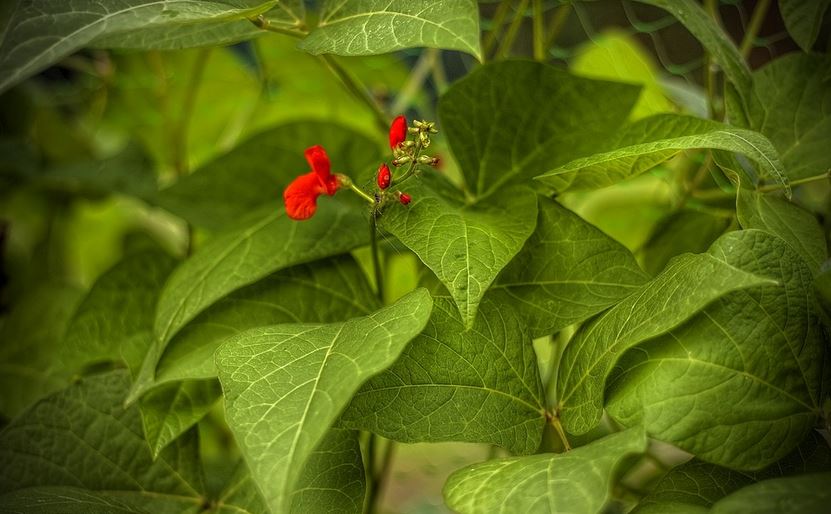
[(360, 192), (358, 91), (513, 29), (376, 261), (555, 422), (263, 23), (756, 20), (496, 26), (806, 180), (539, 31), (383, 473), (557, 24), (418, 75)]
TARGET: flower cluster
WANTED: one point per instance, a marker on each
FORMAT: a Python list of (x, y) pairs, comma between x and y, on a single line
[(300, 197)]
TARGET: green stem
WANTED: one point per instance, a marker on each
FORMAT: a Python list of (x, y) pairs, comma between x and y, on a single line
[(555, 422), (360, 192), (539, 31), (376, 261), (357, 90), (711, 6), (496, 26), (263, 23), (557, 24), (382, 475), (513, 29), (756, 20), (807, 180), (426, 62)]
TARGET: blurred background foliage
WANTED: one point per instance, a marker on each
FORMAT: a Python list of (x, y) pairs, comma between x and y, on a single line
[(87, 144)]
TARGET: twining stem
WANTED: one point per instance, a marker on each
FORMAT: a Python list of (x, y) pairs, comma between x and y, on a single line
[(557, 24), (756, 20), (496, 26), (513, 29), (555, 422), (539, 31), (711, 6), (358, 91), (806, 180), (376, 261)]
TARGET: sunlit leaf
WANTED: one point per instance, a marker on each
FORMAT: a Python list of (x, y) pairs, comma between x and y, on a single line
[(286, 384)]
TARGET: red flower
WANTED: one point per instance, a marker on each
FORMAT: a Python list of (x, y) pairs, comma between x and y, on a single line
[(384, 176), (301, 195), (398, 131)]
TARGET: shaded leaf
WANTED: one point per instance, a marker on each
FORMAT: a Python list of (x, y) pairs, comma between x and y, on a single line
[(738, 384), (254, 174), (651, 141), (688, 284), (115, 319), (506, 122), (567, 271), (41, 32), (465, 245), (285, 385), (790, 495), (366, 27), (576, 481), (798, 227), (803, 20), (456, 384)]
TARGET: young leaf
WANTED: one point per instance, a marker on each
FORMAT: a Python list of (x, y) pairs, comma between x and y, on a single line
[(803, 20), (466, 246), (455, 384), (688, 284), (737, 385), (791, 495), (791, 105), (43, 32), (169, 411), (321, 292), (798, 227), (30, 363), (506, 121), (256, 171), (576, 481), (115, 320), (712, 38), (651, 141), (285, 385), (82, 437), (567, 271), (367, 27)]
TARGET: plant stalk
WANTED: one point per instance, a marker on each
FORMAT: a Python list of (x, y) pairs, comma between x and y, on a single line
[(798, 182), (756, 21), (376, 261), (496, 27), (358, 91), (513, 29), (539, 31), (557, 24), (555, 422)]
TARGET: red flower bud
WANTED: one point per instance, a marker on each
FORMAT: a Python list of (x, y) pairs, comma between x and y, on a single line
[(300, 197), (404, 198), (384, 176), (398, 131)]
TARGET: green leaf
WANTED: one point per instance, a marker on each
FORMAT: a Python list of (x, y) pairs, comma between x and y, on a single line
[(681, 231), (321, 292), (702, 484), (256, 171), (367, 27), (616, 55), (169, 411), (30, 364), (115, 320), (507, 122), (791, 495), (803, 20), (43, 32), (791, 105), (567, 272), (454, 384), (651, 141), (286, 384), (465, 245), (204, 34), (737, 385), (82, 437), (798, 227), (712, 37), (67, 500), (576, 481), (688, 284)]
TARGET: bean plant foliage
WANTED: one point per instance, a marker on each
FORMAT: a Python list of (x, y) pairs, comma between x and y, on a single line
[(323, 272)]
